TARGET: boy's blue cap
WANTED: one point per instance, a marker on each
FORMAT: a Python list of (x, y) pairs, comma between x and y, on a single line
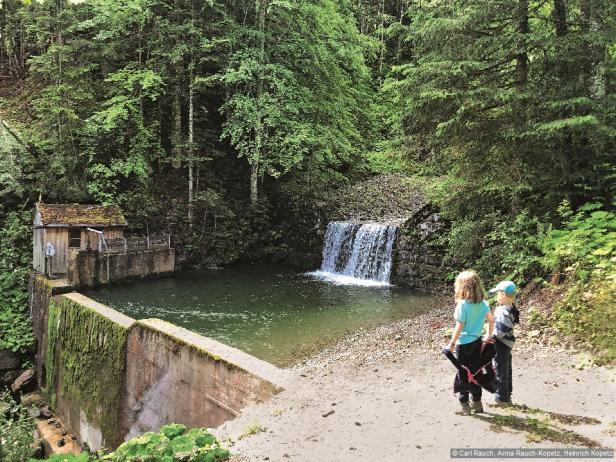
[(504, 286)]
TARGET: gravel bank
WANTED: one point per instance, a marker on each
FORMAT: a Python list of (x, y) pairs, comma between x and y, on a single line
[(385, 394)]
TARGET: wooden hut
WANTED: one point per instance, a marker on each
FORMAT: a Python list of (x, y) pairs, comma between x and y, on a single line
[(58, 228)]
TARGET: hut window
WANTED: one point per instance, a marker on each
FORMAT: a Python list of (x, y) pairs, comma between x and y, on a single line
[(74, 239)]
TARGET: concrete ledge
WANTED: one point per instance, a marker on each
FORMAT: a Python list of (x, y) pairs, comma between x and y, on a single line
[(110, 377), (103, 310), (175, 375), (220, 351)]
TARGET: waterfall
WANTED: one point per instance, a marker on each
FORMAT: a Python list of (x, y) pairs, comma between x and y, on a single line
[(362, 252)]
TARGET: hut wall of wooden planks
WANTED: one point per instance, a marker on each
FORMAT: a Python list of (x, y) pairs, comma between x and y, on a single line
[(58, 228)]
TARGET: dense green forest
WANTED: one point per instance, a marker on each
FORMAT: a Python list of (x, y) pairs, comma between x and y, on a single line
[(218, 120)]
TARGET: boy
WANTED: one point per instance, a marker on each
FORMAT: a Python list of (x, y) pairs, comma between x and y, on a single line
[(505, 316)]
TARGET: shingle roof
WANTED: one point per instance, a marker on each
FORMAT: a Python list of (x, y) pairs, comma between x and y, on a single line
[(80, 215)]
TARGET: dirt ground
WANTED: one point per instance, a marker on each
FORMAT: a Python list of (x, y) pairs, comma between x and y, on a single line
[(386, 395)]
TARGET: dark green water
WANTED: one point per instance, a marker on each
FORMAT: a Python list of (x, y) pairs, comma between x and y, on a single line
[(272, 312)]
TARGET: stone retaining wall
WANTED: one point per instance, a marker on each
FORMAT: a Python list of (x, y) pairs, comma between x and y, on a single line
[(417, 258), (110, 377), (92, 268)]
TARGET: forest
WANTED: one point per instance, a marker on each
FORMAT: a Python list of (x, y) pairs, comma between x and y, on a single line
[(218, 120)]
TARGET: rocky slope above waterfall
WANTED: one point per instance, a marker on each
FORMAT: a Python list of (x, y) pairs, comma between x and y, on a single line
[(388, 198)]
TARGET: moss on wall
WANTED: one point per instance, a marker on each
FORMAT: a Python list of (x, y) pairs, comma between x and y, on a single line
[(86, 363), (50, 356)]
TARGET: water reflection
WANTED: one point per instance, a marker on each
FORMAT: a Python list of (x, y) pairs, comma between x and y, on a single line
[(272, 312)]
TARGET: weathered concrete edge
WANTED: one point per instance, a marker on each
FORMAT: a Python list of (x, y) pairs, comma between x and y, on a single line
[(220, 352), (202, 346), (109, 313)]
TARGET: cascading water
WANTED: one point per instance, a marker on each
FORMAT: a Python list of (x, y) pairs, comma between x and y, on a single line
[(356, 253)]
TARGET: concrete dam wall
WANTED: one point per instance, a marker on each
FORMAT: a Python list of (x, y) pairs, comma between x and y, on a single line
[(110, 377)]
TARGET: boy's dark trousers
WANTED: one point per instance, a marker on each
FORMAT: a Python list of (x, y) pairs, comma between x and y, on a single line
[(502, 363), (469, 355)]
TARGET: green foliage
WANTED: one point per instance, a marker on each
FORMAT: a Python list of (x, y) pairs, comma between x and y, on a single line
[(499, 247), (172, 443), (298, 88), (15, 258), (586, 245), (83, 457), (507, 113), (588, 314), (16, 430)]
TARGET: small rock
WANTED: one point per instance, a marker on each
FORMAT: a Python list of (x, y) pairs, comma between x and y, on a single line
[(25, 383), (38, 449), (418, 446), (45, 412), (286, 456), (50, 421), (32, 399), (352, 448), (58, 425), (398, 337), (64, 432), (358, 424), (327, 414)]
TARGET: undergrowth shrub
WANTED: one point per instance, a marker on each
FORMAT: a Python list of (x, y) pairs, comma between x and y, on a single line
[(498, 246), (16, 430), (15, 262), (173, 443), (586, 244), (584, 249)]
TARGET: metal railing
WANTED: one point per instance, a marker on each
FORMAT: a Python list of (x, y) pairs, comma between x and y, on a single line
[(134, 244)]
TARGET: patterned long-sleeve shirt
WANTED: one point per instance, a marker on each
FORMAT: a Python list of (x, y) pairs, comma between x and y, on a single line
[(504, 319)]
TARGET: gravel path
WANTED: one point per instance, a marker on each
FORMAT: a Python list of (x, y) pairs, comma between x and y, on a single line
[(385, 395)]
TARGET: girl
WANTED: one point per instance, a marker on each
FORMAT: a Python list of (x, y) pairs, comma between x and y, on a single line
[(470, 315)]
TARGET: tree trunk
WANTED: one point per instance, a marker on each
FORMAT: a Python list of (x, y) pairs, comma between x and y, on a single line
[(191, 147), (191, 126), (254, 170), (176, 133), (597, 57), (559, 14), (521, 66)]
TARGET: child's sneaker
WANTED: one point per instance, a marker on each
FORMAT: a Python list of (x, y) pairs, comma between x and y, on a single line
[(477, 407), (465, 409), (499, 403)]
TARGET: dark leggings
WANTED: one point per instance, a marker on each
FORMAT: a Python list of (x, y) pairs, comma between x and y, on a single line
[(502, 361), (469, 355)]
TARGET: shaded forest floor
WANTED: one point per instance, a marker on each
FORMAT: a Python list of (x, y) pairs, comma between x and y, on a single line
[(386, 394)]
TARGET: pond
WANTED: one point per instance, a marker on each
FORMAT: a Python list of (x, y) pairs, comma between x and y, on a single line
[(271, 312)]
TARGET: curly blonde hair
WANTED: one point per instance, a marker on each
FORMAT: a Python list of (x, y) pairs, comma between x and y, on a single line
[(468, 286)]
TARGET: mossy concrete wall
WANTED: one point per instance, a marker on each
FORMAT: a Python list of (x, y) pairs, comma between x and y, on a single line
[(110, 377), (41, 290), (175, 375), (85, 367), (92, 268)]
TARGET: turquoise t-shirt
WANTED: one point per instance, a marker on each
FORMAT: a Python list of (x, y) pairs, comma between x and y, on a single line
[(473, 315)]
